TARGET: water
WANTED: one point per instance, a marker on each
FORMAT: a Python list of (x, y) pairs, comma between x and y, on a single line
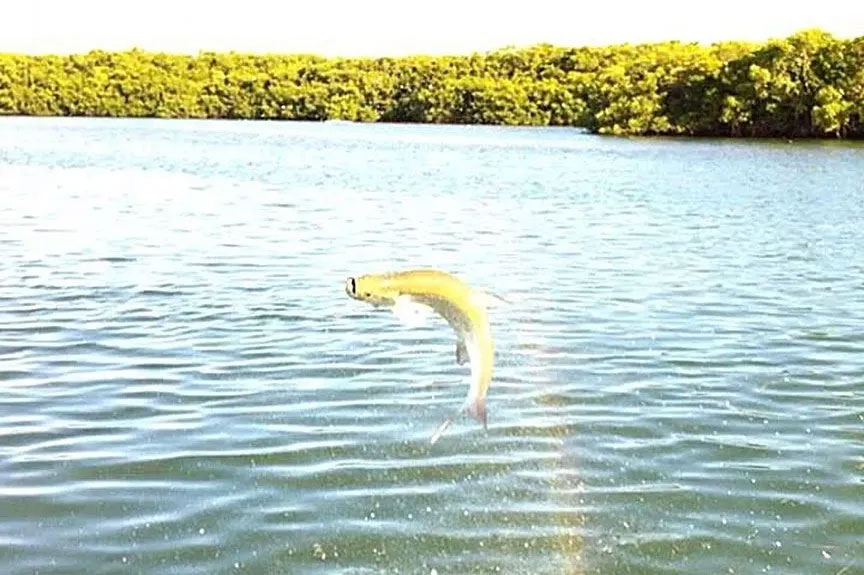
[(187, 389)]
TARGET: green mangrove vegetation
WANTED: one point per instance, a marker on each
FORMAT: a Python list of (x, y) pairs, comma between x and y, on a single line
[(810, 84)]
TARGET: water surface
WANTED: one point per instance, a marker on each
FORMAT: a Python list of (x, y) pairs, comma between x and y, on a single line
[(185, 388)]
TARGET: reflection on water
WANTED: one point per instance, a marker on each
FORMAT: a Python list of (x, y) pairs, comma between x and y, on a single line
[(186, 388)]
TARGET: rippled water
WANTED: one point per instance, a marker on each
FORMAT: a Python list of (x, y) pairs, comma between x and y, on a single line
[(185, 387)]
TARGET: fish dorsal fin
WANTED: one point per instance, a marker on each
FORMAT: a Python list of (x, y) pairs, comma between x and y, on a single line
[(411, 312), (461, 352), (488, 299)]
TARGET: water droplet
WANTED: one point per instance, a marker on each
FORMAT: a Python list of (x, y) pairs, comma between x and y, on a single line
[(201, 531)]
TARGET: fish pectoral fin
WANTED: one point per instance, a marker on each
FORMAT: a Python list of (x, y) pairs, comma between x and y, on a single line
[(411, 312), (461, 352)]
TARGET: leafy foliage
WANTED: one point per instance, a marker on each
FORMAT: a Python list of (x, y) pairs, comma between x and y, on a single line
[(810, 84)]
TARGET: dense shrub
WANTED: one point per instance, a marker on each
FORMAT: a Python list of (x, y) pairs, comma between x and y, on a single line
[(810, 84)]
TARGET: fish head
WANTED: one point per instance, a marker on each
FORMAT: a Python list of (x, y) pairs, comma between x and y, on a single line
[(372, 289)]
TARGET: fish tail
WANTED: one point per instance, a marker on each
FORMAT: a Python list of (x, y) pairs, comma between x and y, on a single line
[(475, 406), (481, 370), (438, 432)]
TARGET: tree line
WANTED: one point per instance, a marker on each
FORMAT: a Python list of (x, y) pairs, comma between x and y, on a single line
[(810, 84)]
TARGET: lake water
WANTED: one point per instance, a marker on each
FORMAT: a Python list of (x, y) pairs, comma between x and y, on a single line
[(185, 388)]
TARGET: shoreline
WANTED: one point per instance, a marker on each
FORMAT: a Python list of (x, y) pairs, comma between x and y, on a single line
[(578, 130)]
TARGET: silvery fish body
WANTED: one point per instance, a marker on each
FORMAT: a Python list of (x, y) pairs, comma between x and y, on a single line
[(409, 293)]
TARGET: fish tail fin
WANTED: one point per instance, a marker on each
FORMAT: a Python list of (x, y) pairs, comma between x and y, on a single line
[(441, 428), (476, 408)]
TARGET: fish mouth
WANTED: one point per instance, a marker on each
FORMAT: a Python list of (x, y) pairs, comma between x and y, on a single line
[(351, 287)]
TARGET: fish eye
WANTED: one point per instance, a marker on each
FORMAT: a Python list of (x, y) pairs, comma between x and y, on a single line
[(352, 286)]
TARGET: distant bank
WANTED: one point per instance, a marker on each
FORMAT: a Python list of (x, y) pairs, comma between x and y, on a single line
[(807, 85)]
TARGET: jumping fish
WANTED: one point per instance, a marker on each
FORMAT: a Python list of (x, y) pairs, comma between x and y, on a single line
[(412, 295)]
